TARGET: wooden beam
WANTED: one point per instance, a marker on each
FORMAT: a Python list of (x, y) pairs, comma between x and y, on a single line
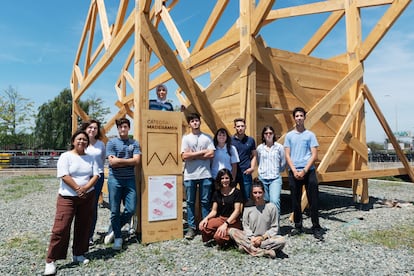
[(263, 55), (388, 131), (174, 34), (116, 45), (382, 27), (210, 24), (228, 75), (259, 15), (322, 32), (103, 18), (180, 75), (350, 175), (323, 105), (340, 135)]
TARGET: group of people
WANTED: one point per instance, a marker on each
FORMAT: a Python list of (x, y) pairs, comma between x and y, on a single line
[(250, 214), (81, 174), (247, 215)]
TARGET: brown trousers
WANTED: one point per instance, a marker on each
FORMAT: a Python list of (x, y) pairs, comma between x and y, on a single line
[(67, 208), (210, 231)]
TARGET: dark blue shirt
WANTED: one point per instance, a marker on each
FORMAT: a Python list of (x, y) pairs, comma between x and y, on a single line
[(244, 147), (157, 105)]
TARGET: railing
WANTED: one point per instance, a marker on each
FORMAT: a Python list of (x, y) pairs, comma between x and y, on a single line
[(29, 159)]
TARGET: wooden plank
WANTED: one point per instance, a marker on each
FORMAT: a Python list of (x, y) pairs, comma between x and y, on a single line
[(174, 34), (382, 27), (103, 18), (322, 32), (180, 74), (341, 134), (336, 93), (388, 131), (348, 175), (229, 74), (262, 55), (117, 43), (211, 23), (314, 8), (259, 15)]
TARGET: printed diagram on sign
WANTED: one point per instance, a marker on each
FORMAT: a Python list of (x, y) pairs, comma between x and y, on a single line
[(162, 198)]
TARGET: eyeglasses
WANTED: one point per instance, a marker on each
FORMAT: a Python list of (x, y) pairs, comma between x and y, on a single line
[(268, 133)]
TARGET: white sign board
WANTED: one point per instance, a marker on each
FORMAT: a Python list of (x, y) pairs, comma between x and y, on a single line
[(162, 197)]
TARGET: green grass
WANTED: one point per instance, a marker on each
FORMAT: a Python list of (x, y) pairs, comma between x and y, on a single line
[(389, 178), (394, 238), (26, 242), (20, 186)]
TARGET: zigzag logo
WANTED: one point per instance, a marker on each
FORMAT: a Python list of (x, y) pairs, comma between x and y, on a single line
[(169, 156)]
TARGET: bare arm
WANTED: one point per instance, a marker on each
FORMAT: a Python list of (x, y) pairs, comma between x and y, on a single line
[(253, 163), (202, 154), (210, 215)]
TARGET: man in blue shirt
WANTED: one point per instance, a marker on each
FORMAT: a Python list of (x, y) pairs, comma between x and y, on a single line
[(124, 154), (246, 147), (301, 150)]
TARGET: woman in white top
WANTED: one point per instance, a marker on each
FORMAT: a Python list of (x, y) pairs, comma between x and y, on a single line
[(96, 149), (78, 173), (271, 159), (225, 155)]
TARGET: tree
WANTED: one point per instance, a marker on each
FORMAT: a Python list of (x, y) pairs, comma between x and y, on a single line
[(54, 120), (16, 113), (96, 110)]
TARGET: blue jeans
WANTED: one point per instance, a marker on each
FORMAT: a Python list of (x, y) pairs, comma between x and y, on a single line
[(121, 190), (98, 189), (205, 198), (245, 181), (272, 189)]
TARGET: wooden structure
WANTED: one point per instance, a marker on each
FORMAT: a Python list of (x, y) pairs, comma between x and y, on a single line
[(247, 78)]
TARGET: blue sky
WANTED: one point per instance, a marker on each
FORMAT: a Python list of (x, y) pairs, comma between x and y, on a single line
[(40, 40)]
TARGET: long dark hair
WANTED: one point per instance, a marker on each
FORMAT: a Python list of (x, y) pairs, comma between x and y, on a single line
[(228, 139), (220, 174)]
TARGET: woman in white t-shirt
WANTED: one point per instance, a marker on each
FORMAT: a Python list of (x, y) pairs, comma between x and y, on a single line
[(78, 173), (225, 155), (96, 149)]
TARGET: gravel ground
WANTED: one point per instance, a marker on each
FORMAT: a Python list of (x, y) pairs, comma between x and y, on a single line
[(25, 225)]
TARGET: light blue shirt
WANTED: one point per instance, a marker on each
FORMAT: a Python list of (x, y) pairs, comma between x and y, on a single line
[(300, 144)]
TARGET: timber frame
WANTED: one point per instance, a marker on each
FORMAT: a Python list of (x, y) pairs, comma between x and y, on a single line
[(248, 78)]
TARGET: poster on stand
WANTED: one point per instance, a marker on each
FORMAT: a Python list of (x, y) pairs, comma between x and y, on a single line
[(162, 197)]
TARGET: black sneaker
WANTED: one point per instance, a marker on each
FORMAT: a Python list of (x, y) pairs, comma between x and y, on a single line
[(318, 233), (296, 231), (190, 234), (281, 255), (210, 243)]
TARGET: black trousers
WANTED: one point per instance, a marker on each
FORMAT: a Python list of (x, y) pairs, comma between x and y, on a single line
[(311, 186)]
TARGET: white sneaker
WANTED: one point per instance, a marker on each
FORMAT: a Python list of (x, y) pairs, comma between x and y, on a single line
[(117, 244), (80, 259), (109, 238), (50, 268)]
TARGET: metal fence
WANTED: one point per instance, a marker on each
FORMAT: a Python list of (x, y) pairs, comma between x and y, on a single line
[(29, 159)]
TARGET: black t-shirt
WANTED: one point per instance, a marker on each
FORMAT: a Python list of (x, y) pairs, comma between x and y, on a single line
[(226, 203)]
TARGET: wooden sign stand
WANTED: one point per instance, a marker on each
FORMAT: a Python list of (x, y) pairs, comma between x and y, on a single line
[(161, 182)]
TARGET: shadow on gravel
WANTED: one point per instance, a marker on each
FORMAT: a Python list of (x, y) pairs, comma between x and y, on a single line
[(332, 201)]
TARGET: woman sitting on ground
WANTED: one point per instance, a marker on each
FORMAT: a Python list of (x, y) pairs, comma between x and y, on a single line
[(225, 212), (260, 227)]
